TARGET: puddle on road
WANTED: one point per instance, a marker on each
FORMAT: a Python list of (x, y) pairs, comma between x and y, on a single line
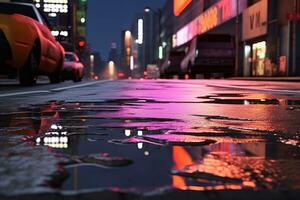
[(239, 99), (244, 101), (136, 145), (221, 95), (214, 117)]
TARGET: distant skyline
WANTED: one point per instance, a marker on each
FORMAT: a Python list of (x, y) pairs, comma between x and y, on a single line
[(106, 20)]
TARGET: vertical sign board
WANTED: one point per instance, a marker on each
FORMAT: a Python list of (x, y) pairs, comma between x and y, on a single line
[(180, 5), (255, 20), (214, 16)]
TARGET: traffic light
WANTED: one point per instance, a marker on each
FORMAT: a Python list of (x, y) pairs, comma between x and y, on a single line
[(81, 45)]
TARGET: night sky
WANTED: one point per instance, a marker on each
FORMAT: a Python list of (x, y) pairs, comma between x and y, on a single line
[(107, 18)]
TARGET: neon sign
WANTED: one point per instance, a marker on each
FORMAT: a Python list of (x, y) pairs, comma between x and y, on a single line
[(208, 20), (217, 14), (180, 5)]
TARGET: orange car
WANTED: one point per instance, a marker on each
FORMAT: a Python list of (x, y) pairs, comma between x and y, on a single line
[(27, 47)]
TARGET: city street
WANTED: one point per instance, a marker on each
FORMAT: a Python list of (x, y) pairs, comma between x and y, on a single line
[(150, 139)]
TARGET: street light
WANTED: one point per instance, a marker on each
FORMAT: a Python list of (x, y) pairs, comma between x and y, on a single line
[(127, 51), (147, 9), (92, 63), (111, 69)]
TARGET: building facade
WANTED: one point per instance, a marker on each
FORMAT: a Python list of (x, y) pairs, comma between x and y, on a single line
[(266, 31), (269, 42)]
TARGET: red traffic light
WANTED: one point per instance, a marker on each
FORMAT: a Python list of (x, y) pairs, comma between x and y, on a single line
[(81, 43)]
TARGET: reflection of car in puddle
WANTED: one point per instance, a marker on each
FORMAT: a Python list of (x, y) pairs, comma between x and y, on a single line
[(32, 121), (44, 124)]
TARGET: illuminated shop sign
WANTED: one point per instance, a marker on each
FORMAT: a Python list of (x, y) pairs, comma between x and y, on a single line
[(217, 14), (180, 5), (255, 20)]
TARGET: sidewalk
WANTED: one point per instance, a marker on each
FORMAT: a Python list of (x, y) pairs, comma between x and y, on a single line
[(284, 79)]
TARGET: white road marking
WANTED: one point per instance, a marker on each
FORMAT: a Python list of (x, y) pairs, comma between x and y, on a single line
[(51, 90), (24, 93), (77, 86), (273, 91)]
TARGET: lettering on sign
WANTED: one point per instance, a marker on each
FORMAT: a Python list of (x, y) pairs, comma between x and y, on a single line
[(226, 8), (217, 14), (209, 19), (255, 20)]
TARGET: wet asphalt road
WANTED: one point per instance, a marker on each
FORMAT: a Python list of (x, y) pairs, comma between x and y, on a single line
[(150, 136)]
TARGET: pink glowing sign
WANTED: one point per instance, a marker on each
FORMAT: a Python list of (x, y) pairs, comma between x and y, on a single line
[(217, 14), (180, 5)]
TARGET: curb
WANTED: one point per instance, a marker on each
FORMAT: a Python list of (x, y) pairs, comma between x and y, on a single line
[(282, 79)]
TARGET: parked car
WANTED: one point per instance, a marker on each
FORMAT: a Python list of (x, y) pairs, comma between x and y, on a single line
[(171, 66), (152, 71), (73, 69), (208, 54), (27, 47)]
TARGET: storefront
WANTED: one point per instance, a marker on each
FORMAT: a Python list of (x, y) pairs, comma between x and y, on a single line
[(255, 29), (259, 51), (268, 44)]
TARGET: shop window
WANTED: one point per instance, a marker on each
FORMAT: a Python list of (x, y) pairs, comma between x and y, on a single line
[(247, 60), (259, 58)]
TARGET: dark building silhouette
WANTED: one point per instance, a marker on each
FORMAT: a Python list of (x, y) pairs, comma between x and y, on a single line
[(98, 63), (113, 55)]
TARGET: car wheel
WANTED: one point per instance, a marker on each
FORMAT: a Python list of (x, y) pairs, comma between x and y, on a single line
[(56, 76), (28, 73), (181, 76), (207, 75), (75, 76), (192, 74), (228, 74), (80, 76)]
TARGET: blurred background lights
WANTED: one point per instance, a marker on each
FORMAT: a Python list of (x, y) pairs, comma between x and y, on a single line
[(140, 145), (127, 133), (140, 133)]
